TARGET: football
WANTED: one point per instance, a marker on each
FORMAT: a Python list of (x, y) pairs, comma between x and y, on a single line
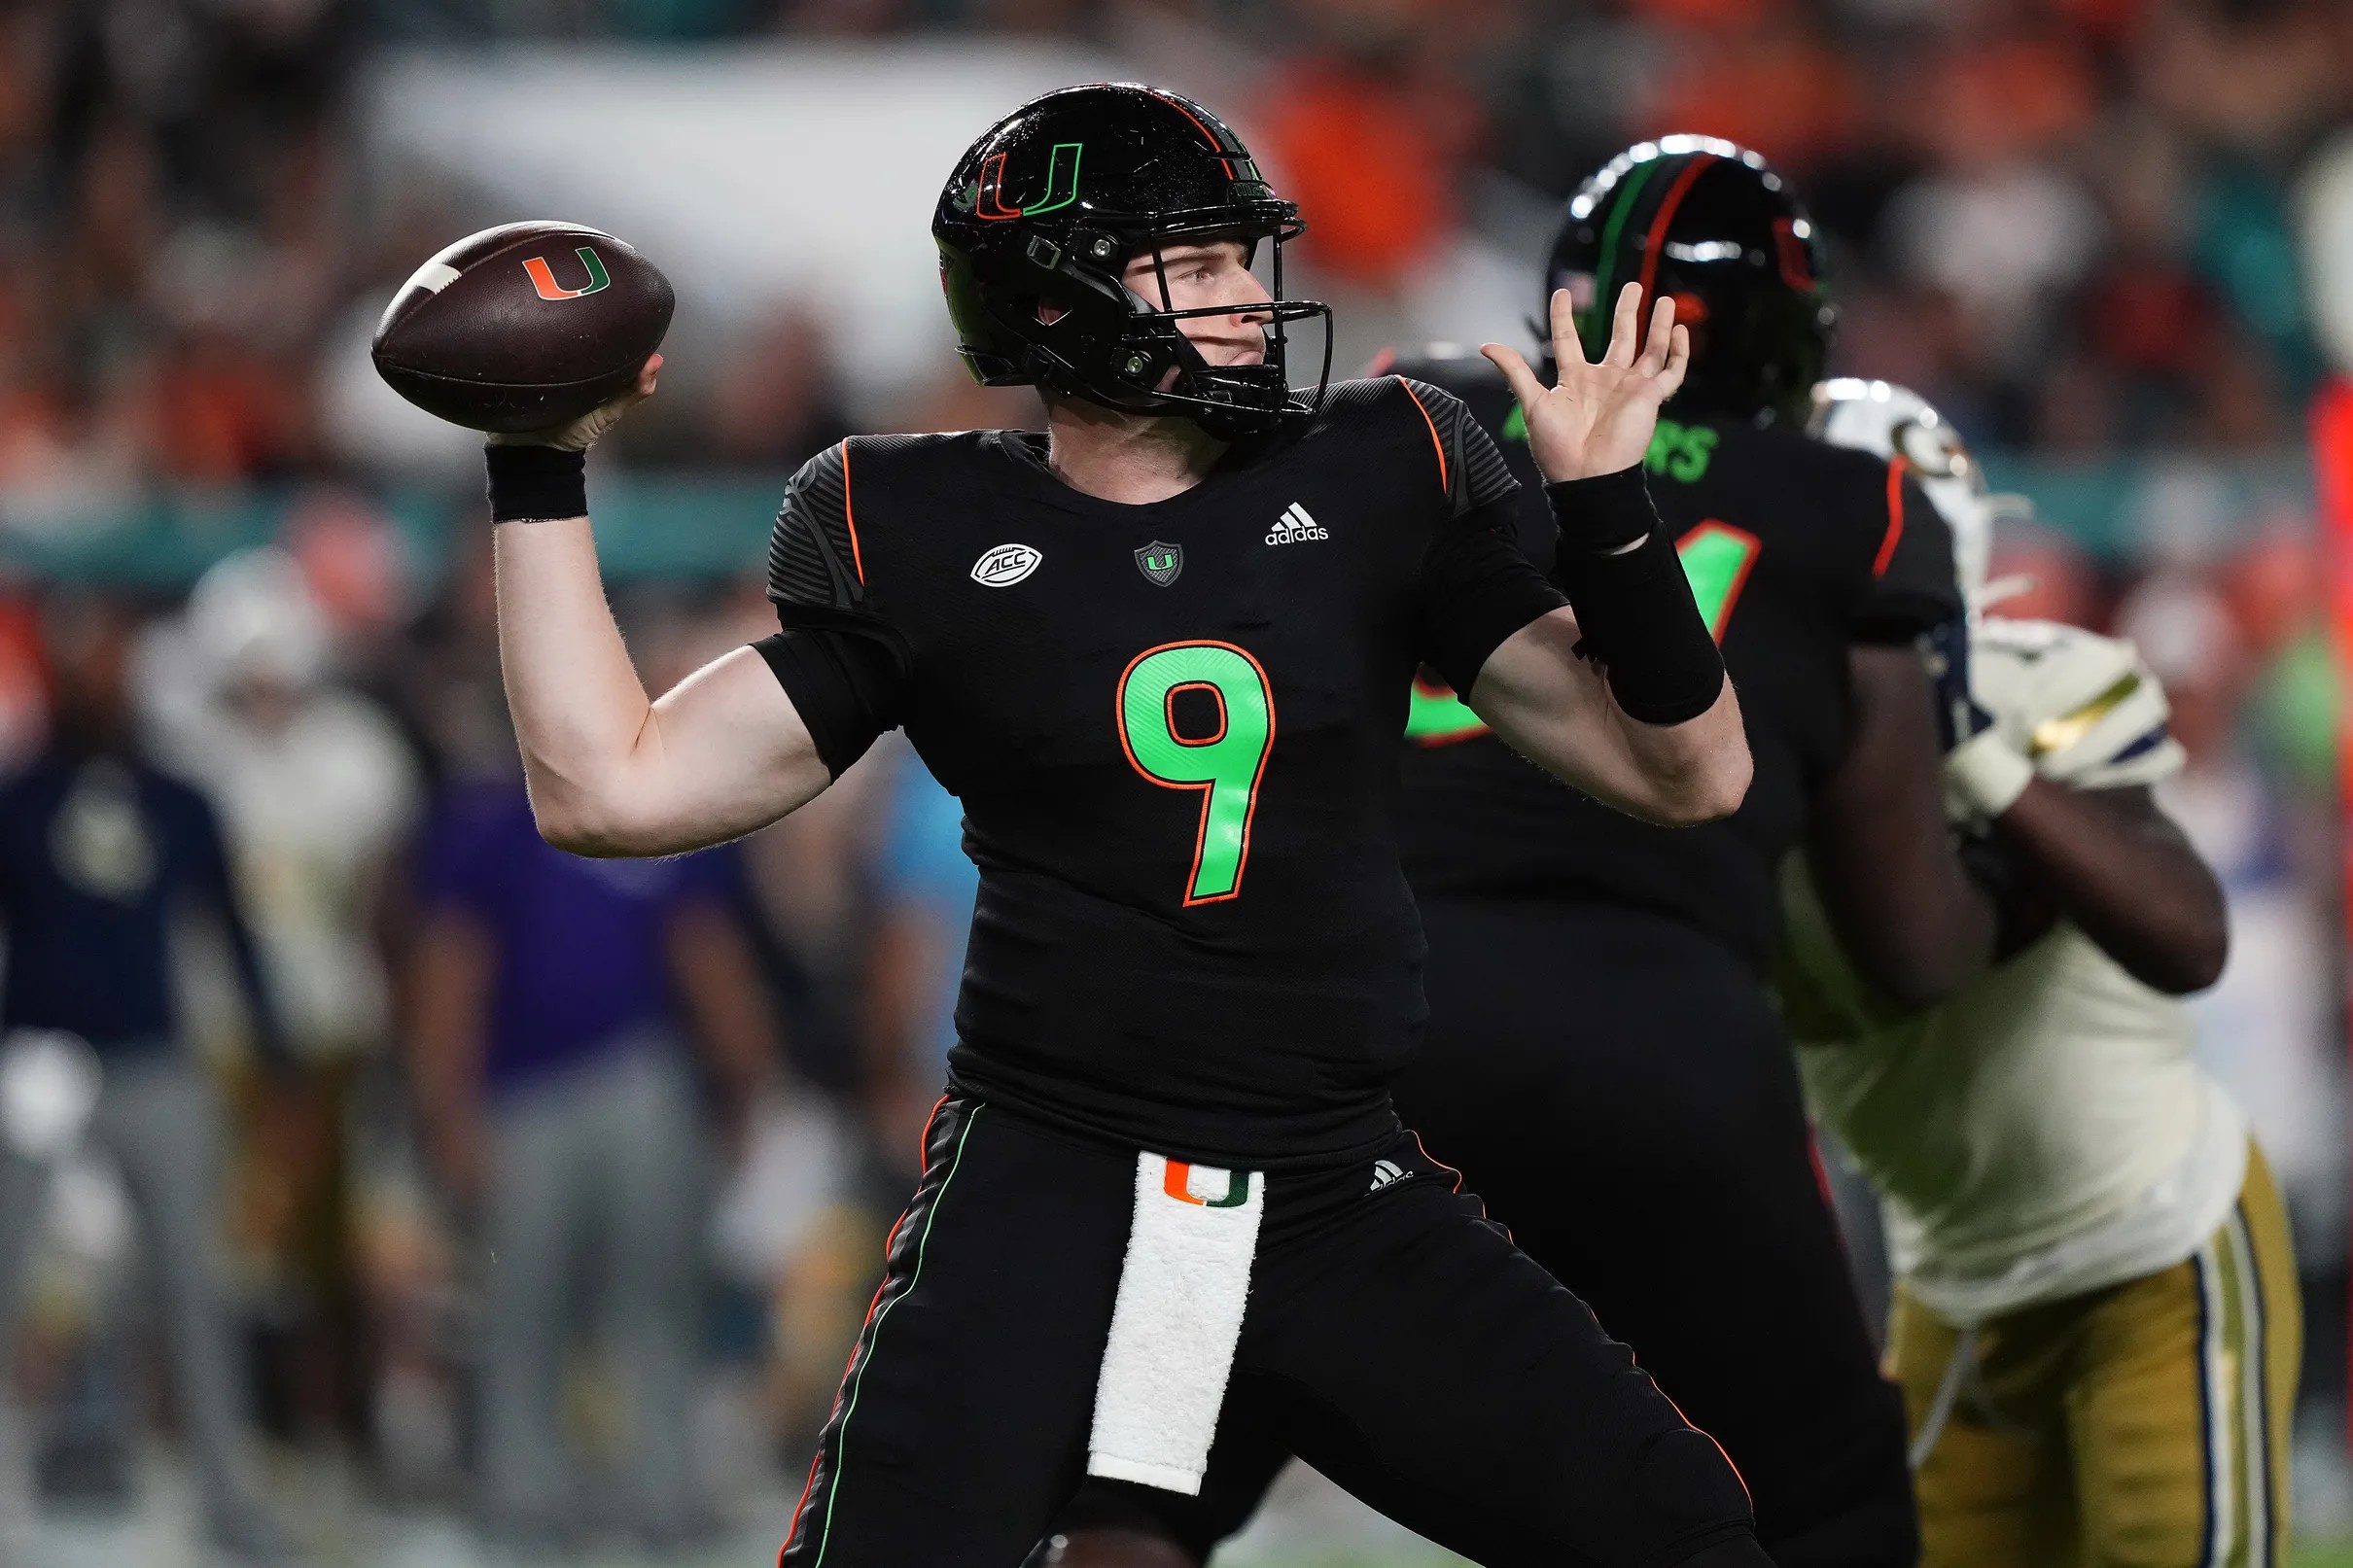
[(523, 327)]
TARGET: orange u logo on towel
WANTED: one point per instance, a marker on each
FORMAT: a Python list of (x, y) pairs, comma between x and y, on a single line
[(1178, 1181)]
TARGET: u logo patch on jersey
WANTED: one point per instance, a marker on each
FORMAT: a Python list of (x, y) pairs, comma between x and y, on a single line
[(1160, 563)]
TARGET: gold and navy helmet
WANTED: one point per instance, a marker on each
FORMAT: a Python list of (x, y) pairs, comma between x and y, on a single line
[(1711, 226), (1055, 200)]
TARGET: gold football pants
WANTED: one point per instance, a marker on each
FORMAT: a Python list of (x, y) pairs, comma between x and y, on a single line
[(2140, 1426)]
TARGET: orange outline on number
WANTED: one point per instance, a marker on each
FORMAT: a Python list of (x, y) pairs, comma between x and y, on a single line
[(1167, 703), (1739, 578), (1201, 833)]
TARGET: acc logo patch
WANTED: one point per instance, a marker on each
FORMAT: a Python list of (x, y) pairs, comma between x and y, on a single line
[(1005, 566)]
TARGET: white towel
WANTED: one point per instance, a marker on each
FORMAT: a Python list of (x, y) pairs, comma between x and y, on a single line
[(1181, 1293)]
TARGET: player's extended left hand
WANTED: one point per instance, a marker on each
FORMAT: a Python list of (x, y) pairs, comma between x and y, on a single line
[(1597, 418)]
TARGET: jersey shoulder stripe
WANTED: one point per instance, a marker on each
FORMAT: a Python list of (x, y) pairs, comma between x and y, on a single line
[(821, 548), (1421, 405), (814, 556), (1472, 470), (1896, 470), (1464, 462)]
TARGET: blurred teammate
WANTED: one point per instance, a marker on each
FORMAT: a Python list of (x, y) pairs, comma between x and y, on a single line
[(1162, 656), (1649, 1145), (100, 854), (2096, 1323)]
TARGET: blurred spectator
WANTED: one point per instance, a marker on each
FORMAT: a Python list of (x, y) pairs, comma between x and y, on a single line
[(1756, 80), (315, 785), (317, 790), (776, 404), (1369, 140), (551, 1000), (99, 853)]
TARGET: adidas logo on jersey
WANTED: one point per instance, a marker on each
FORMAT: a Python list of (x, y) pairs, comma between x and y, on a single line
[(1295, 525), (1384, 1172)]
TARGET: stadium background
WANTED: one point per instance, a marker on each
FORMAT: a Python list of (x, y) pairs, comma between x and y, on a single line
[(2104, 235)]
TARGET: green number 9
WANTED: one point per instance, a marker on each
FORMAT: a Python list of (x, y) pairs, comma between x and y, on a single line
[(1225, 767)]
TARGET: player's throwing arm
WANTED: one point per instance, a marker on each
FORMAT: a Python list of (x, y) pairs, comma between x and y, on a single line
[(611, 772), (543, 334), (1623, 693)]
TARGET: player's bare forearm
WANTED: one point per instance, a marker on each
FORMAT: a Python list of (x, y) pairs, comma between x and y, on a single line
[(1883, 855), (611, 772), (1555, 708), (1702, 765), (2120, 868)]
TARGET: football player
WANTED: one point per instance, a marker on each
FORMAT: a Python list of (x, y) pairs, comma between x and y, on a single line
[(2096, 1323), (1649, 1145), (1167, 1153)]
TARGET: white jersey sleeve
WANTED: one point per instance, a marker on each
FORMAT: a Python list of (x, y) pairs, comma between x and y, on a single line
[(2084, 709)]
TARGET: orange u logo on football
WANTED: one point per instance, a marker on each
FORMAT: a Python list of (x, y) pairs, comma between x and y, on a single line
[(544, 282)]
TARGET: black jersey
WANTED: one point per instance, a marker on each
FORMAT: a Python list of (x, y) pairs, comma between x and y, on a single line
[(1794, 550), (1174, 730)]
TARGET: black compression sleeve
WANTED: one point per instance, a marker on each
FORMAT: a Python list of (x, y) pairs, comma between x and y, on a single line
[(841, 683), (1618, 567)]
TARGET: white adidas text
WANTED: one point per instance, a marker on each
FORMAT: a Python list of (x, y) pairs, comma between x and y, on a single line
[(1295, 526)]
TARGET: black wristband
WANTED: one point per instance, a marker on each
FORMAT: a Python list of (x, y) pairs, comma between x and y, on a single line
[(1617, 566), (1607, 512), (532, 483)]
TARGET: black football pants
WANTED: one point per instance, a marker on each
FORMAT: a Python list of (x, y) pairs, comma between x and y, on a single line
[(1618, 1090), (1393, 1336)]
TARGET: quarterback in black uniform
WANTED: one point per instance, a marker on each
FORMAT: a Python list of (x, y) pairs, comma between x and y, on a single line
[(1649, 1146), (1163, 654)]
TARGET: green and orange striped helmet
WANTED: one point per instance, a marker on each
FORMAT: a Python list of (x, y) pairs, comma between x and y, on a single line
[(1712, 226)]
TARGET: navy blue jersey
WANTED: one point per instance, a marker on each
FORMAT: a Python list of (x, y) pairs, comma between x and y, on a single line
[(1173, 728), (1796, 550), (97, 855)]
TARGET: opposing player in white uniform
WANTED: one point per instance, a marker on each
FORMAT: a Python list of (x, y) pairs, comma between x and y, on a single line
[(2096, 1321)]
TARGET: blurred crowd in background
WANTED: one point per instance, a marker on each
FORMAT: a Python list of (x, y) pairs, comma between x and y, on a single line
[(680, 1101)]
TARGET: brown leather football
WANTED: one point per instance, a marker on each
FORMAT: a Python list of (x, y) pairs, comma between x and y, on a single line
[(523, 327)]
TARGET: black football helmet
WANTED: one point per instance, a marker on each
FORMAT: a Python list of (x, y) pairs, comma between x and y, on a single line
[(1713, 228), (1051, 205)]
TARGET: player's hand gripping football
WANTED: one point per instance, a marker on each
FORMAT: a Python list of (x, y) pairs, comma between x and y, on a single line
[(583, 432), (1598, 418)]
